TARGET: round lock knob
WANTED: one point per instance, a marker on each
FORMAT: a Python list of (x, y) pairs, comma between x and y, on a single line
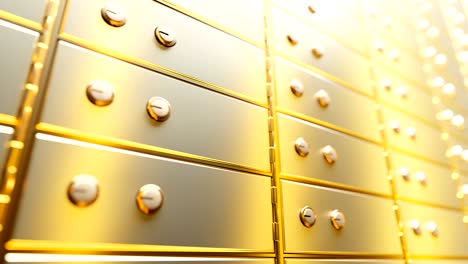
[(307, 216), (311, 8), (100, 92), (458, 121), (165, 35), (323, 98), (83, 190), (379, 46), (318, 51), (114, 15), (301, 146), (440, 59), (405, 173), (421, 177), (394, 55), (432, 227), (297, 88), (415, 226), (411, 132), (337, 219), (395, 126), (387, 84), (449, 89), (330, 155), (444, 115), (454, 151), (402, 92), (149, 198), (158, 109), (292, 38)]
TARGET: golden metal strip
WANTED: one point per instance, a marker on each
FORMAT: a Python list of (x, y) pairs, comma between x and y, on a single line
[(321, 72), (20, 21), (24, 116), (139, 147), (396, 206), (276, 188), (20, 245), (153, 67), (315, 27), (210, 22), (334, 185), (326, 124), (425, 203), (337, 254), (8, 120)]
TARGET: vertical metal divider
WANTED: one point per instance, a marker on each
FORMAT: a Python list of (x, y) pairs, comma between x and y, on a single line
[(20, 145), (387, 156), (276, 191)]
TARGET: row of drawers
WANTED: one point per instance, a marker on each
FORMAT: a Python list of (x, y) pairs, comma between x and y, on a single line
[(26, 259), (240, 125), (85, 25), (239, 216)]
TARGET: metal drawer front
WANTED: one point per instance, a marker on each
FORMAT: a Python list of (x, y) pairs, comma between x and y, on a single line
[(227, 13), (370, 221), (346, 109), (202, 123), (15, 54), (340, 18), (201, 52), (360, 164), (427, 142), (403, 95), (439, 188), (203, 207), (392, 34), (453, 234), (29, 9), (328, 261), (354, 69), (399, 61)]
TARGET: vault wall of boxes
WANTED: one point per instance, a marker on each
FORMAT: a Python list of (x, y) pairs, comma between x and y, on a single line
[(251, 131)]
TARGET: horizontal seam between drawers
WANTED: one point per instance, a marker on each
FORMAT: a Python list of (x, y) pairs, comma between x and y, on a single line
[(328, 184), (142, 148)]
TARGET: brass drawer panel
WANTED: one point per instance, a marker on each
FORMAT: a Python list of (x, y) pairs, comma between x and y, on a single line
[(202, 52), (202, 122), (401, 62), (29, 9), (457, 161), (427, 142), (328, 261), (16, 55), (227, 14), (452, 239), (340, 18), (354, 72), (198, 200), (346, 109), (404, 95), (360, 164), (370, 226), (390, 33), (439, 187)]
